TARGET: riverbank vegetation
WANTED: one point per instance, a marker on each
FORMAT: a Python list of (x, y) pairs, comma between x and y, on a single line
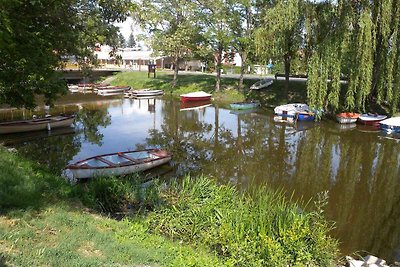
[(189, 222)]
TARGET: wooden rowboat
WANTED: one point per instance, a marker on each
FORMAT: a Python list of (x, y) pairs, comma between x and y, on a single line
[(112, 90), (195, 96), (347, 117), (47, 123), (116, 164)]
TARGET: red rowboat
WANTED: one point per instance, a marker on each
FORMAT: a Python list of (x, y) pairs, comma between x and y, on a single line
[(195, 96)]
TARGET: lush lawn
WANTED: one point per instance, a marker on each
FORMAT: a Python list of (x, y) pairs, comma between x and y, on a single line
[(44, 223)]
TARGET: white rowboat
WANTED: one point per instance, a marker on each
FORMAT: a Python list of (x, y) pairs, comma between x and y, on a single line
[(262, 84), (116, 164)]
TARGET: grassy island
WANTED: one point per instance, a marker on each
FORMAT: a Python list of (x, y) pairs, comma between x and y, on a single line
[(118, 222)]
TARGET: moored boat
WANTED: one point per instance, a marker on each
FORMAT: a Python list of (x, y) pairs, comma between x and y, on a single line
[(290, 110), (112, 90), (262, 84), (146, 92), (347, 117), (371, 119), (195, 96), (305, 116), (40, 124), (116, 164), (391, 125), (245, 105)]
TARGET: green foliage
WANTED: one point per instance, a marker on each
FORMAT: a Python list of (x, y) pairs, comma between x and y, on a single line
[(37, 35), (257, 228)]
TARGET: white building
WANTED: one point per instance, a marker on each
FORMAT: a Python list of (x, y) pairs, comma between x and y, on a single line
[(129, 58)]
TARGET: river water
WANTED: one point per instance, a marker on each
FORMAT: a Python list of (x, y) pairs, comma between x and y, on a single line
[(359, 167)]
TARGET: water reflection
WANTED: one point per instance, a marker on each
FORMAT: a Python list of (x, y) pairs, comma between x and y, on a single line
[(360, 167)]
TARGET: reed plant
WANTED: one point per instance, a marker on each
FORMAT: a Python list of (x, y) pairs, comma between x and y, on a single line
[(257, 228)]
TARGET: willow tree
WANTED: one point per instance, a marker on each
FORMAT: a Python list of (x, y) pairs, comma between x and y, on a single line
[(363, 45), (36, 36), (280, 34)]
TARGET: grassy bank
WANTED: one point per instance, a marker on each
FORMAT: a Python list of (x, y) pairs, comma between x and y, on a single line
[(271, 96), (194, 222)]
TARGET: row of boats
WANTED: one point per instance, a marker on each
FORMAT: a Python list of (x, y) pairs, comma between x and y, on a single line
[(100, 89), (301, 112)]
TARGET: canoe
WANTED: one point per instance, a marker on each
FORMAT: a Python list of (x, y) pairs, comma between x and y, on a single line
[(371, 119), (347, 117), (290, 110), (47, 123), (146, 92), (245, 105), (305, 116), (262, 84), (195, 96), (391, 125), (116, 164)]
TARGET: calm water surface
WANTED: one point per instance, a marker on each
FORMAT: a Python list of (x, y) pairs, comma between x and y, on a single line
[(359, 167)]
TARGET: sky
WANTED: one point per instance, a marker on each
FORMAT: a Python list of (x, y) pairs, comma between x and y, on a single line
[(125, 28)]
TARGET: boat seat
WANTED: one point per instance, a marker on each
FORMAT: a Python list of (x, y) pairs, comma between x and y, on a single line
[(106, 161), (127, 157)]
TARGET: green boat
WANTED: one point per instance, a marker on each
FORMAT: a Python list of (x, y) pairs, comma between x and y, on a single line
[(245, 105)]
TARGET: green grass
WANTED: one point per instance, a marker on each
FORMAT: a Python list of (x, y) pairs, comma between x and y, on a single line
[(44, 221)]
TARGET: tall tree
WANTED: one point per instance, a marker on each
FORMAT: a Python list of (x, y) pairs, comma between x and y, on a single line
[(36, 35), (213, 16), (242, 23), (171, 28), (280, 34)]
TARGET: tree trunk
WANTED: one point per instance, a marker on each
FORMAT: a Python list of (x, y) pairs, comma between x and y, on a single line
[(243, 56), (219, 63), (287, 73), (176, 69)]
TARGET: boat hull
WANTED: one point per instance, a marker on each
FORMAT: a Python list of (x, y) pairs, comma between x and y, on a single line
[(244, 105), (391, 125), (290, 110), (305, 117), (196, 98), (36, 125), (374, 120), (143, 93), (347, 117), (81, 170)]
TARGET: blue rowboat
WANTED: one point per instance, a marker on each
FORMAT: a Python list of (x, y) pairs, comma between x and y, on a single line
[(245, 105), (391, 125)]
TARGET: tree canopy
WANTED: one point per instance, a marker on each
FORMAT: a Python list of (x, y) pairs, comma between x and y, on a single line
[(35, 37)]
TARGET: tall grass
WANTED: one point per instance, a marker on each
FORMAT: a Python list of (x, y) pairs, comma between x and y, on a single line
[(258, 228)]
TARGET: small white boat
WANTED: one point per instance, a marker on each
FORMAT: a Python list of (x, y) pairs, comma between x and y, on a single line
[(347, 117), (371, 119), (264, 83), (112, 90), (391, 125), (146, 92), (116, 164), (290, 110), (73, 88)]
